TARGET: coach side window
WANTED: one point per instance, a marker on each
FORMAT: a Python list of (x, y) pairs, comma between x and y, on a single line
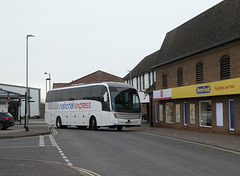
[(96, 93), (76, 94), (66, 95), (50, 96)]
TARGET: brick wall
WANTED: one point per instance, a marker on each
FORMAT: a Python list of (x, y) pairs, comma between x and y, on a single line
[(211, 66), (211, 71)]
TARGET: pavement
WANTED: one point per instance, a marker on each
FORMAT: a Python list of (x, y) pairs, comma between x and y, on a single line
[(225, 142)]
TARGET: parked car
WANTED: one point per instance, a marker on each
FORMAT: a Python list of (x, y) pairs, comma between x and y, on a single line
[(6, 120)]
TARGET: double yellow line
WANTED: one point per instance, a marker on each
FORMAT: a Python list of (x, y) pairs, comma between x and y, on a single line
[(81, 170), (196, 143), (54, 131), (85, 171)]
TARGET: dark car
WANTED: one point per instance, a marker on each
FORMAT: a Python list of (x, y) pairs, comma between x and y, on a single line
[(6, 120)]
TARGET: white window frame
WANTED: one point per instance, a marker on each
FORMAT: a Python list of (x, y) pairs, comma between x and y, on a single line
[(200, 115), (167, 112)]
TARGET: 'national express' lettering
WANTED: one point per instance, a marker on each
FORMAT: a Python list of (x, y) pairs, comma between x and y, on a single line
[(83, 105), (66, 105), (73, 105)]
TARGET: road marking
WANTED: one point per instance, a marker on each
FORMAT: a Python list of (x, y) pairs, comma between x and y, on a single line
[(54, 143), (55, 132), (196, 143), (85, 171), (41, 141), (81, 170)]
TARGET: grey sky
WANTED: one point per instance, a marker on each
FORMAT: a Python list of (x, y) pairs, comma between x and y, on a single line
[(74, 38)]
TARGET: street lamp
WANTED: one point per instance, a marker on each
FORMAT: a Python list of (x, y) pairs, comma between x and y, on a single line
[(27, 96), (48, 79)]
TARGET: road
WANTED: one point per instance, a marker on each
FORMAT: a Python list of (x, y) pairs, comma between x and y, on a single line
[(126, 153)]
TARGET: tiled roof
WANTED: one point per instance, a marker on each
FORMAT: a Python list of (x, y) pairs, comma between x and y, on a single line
[(145, 65), (98, 76), (218, 25)]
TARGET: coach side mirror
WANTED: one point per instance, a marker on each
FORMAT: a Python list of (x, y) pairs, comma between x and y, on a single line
[(105, 97)]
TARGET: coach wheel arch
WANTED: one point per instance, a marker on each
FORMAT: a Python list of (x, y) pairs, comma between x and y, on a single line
[(93, 123)]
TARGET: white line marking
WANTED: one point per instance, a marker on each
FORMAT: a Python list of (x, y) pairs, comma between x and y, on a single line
[(54, 143), (41, 141), (52, 140)]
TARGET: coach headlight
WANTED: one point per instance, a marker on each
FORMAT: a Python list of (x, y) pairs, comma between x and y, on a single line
[(115, 114)]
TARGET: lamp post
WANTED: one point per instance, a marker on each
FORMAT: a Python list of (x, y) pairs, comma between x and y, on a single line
[(27, 96), (48, 79)]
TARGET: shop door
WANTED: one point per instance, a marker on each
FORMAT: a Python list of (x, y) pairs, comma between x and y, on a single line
[(231, 115), (185, 112), (156, 112)]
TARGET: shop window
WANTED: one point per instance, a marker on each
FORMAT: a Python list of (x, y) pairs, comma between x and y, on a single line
[(169, 112), (180, 77), (164, 81), (178, 113), (225, 67), (192, 113), (161, 112), (205, 109), (199, 72)]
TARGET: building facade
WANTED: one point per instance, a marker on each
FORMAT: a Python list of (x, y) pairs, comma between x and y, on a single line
[(13, 100), (142, 77), (198, 75)]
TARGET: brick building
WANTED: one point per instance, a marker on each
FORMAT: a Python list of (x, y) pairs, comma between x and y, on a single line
[(198, 75)]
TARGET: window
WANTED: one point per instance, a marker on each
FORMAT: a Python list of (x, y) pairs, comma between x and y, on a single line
[(169, 112), (143, 81), (192, 113), (180, 77), (161, 112), (140, 78), (205, 113), (153, 77), (76, 94), (178, 113), (199, 72), (225, 67), (164, 79), (51, 96), (149, 79)]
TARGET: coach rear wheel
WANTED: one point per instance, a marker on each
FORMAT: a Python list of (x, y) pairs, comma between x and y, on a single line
[(59, 122), (93, 123)]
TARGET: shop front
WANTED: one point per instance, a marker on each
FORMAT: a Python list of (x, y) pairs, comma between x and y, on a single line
[(11, 102), (212, 107)]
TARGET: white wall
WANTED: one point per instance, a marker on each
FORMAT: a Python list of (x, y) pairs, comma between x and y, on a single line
[(143, 84), (34, 93), (3, 106)]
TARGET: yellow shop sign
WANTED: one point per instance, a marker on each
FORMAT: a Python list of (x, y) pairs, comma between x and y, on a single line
[(225, 87)]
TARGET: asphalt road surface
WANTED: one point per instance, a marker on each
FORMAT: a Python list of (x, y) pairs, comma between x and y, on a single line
[(123, 153)]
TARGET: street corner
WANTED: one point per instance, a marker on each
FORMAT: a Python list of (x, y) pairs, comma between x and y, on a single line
[(18, 131), (35, 167)]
